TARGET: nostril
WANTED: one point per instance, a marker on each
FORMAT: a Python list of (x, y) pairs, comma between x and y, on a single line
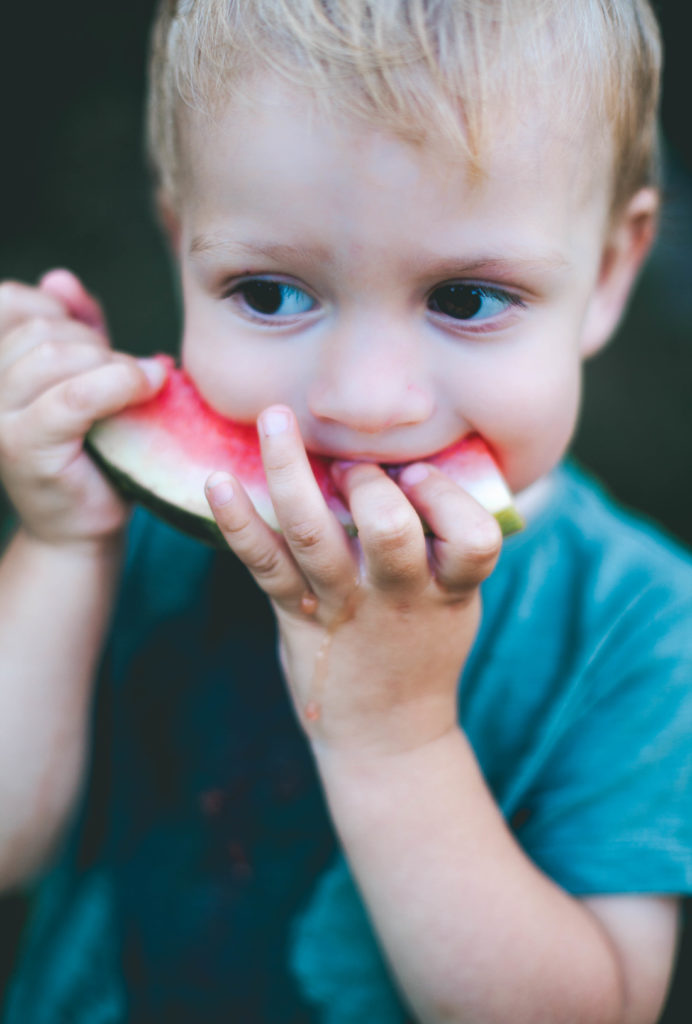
[(373, 408)]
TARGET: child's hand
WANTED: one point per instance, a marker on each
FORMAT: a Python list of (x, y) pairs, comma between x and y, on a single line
[(58, 375), (374, 632)]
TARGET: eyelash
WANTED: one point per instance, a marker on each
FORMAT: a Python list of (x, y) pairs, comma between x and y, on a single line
[(471, 288), (234, 293)]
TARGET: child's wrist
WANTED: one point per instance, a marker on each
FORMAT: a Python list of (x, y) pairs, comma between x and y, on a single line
[(358, 782), (369, 754), (103, 552)]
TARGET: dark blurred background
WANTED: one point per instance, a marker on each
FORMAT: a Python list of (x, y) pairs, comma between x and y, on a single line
[(74, 192)]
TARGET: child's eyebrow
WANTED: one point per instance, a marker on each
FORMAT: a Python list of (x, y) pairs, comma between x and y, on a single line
[(426, 264), (490, 263), (202, 245)]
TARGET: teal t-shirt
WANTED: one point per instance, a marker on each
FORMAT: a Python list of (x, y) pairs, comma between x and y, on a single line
[(202, 881)]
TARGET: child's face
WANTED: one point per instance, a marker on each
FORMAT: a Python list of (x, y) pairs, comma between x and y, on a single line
[(392, 303)]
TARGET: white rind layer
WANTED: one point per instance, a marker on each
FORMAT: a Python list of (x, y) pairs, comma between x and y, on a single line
[(145, 462)]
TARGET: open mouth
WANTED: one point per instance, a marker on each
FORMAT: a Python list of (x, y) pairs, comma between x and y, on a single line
[(395, 463), (161, 452)]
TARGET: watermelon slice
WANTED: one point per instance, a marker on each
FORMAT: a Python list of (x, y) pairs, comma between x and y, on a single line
[(161, 452)]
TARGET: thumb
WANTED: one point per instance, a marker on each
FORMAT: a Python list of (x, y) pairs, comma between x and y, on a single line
[(68, 289)]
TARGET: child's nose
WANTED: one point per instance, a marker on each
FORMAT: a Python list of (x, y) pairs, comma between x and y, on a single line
[(372, 378)]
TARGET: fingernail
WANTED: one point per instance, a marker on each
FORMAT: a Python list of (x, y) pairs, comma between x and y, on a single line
[(153, 369), (220, 488), (413, 474), (274, 421)]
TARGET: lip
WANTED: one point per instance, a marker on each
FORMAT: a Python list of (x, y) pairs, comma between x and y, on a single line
[(391, 462)]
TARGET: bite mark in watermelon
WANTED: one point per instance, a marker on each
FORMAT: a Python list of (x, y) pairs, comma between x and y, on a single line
[(161, 452)]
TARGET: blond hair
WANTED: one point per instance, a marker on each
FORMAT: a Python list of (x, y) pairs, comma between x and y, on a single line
[(421, 69)]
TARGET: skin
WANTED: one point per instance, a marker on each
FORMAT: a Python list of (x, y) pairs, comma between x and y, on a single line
[(59, 573), (370, 372), (368, 368)]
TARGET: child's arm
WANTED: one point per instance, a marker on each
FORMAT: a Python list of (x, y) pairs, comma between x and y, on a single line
[(472, 929), (372, 654), (58, 574), (54, 604)]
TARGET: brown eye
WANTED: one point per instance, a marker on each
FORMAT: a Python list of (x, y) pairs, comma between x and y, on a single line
[(458, 301), (269, 298), (470, 302)]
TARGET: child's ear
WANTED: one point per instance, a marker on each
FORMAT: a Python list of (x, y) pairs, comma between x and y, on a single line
[(627, 246)]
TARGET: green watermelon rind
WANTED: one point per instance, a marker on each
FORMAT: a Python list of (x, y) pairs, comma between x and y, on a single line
[(510, 521), (206, 529), (196, 526), (161, 452)]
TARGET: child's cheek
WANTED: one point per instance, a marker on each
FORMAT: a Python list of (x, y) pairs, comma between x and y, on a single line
[(532, 430), (236, 379)]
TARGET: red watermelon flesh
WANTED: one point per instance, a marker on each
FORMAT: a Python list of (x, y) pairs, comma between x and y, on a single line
[(162, 451)]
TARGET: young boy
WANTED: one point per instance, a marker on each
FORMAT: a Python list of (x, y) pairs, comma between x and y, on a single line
[(395, 225)]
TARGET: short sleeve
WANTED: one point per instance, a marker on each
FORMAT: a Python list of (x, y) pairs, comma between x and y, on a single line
[(611, 808)]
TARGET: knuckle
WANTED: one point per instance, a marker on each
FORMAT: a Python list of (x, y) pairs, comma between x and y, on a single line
[(393, 575), (265, 563), (305, 534), (486, 541), (126, 374), (280, 461), (49, 352), (330, 576), (76, 395), (392, 528), (55, 335), (283, 589), (482, 550), (457, 598), (236, 529), (42, 328), (57, 348), (41, 331)]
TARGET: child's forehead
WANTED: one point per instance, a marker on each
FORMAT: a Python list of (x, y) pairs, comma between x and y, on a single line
[(460, 71), (260, 125)]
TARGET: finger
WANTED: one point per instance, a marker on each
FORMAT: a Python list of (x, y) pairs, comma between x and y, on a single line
[(20, 302), (389, 530), (314, 536), (39, 331), (71, 350), (262, 550), (69, 409), (466, 539), (68, 289)]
